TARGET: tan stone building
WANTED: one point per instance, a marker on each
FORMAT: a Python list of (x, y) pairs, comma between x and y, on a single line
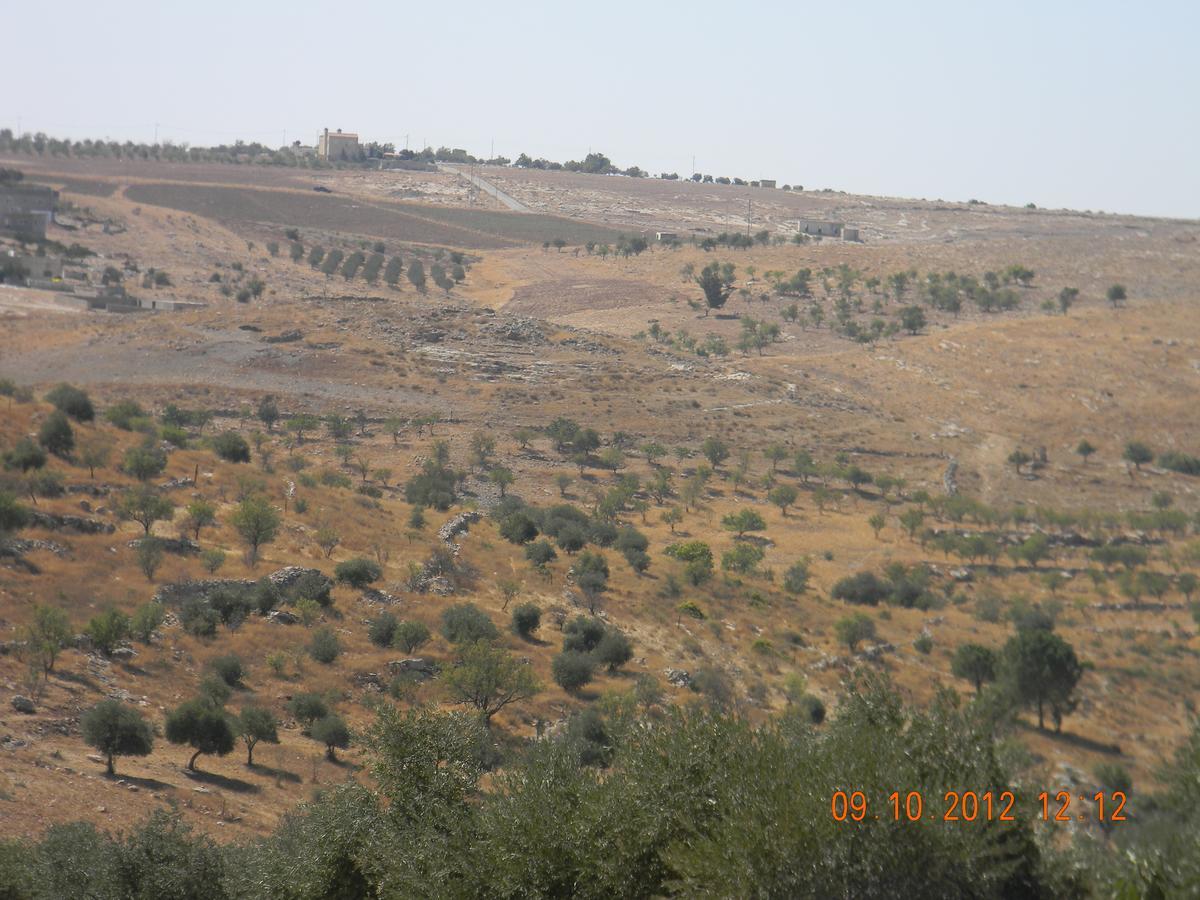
[(337, 145)]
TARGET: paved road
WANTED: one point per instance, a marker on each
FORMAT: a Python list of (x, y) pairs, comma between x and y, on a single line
[(487, 187)]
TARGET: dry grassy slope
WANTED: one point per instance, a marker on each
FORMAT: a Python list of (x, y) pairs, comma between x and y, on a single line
[(972, 388)]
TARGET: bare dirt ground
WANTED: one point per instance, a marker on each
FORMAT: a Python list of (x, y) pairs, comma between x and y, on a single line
[(532, 334)]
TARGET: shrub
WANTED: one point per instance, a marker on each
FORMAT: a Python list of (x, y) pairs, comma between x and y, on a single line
[(583, 634), (308, 708), (149, 555), (519, 528), (466, 623), (742, 558), (331, 731), (198, 618), (382, 629), (107, 630), (231, 447), (853, 630), (923, 643), (127, 415), (614, 650), (863, 588), (358, 572), (540, 553), (56, 434), (228, 668), (212, 559), (324, 647), (572, 670), (146, 620), (526, 618), (1177, 462), (25, 455), (410, 636), (231, 606), (72, 401), (795, 580)]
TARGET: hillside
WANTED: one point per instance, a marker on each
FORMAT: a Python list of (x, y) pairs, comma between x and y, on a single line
[(376, 383)]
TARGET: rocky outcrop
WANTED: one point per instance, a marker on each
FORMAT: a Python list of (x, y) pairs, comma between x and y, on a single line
[(76, 524), (23, 704)]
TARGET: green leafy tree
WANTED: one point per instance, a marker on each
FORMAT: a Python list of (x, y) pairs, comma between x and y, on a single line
[(73, 401), (717, 284), (115, 728), (202, 725), (358, 572), (257, 522), (256, 724), (56, 434), (145, 505), (48, 634), (912, 319), (489, 678), (1085, 450), (107, 630), (1116, 295), (1137, 453), (333, 732), (573, 670), (200, 514), (146, 620), (149, 555), (1043, 670), (410, 636), (783, 496), (853, 630), (974, 663), (144, 462), (715, 451), (742, 521)]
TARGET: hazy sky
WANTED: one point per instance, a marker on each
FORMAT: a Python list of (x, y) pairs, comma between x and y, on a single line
[(1087, 104)]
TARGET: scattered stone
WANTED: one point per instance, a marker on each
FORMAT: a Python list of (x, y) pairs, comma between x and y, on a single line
[(124, 653), (416, 665), (458, 525), (678, 677), (77, 524), (380, 598), (282, 617), (23, 704)]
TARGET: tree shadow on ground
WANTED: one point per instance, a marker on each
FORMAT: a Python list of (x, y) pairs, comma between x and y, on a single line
[(222, 781)]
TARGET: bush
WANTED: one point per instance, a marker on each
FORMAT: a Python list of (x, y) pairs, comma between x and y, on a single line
[(56, 434), (572, 670), (324, 647), (410, 636), (923, 644), (795, 580), (526, 618), (231, 606), (107, 630), (358, 572), (583, 634), (231, 447), (540, 553), (25, 455), (127, 415), (198, 618), (519, 528), (228, 668), (382, 629), (308, 708), (742, 558), (614, 650), (331, 731), (72, 401), (863, 588), (466, 623), (146, 620), (1177, 462)]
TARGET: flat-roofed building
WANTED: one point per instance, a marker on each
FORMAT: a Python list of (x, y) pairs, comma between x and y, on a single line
[(335, 145)]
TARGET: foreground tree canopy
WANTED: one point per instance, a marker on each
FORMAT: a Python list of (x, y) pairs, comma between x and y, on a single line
[(695, 803)]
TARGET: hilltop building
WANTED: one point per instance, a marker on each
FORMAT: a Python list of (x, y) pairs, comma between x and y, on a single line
[(820, 228), (26, 210), (335, 145)]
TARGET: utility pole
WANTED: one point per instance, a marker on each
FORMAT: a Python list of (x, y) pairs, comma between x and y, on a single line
[(693, 172), (492, 155), (406, 142)]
